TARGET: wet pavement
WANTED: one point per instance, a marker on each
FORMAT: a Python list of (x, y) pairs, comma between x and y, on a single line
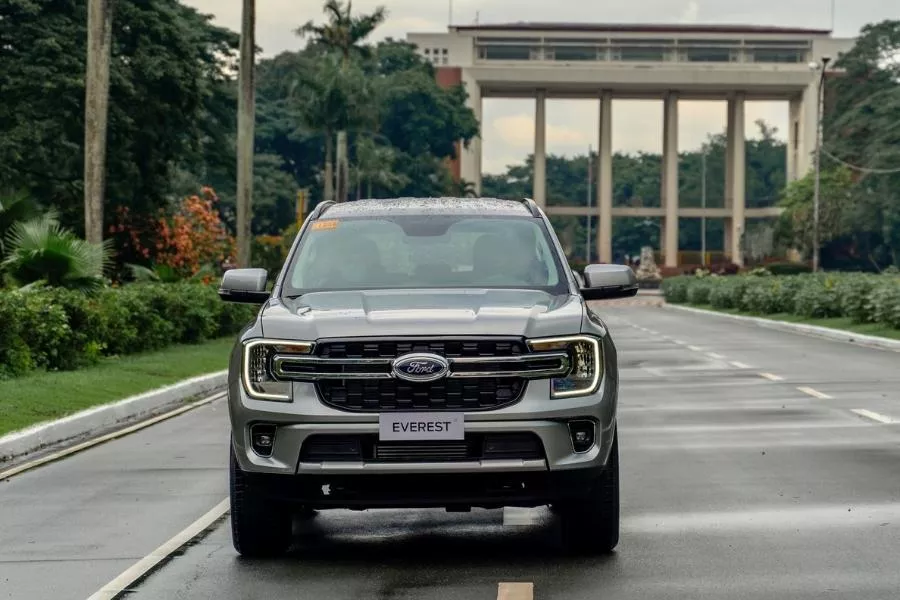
[(746, 474)]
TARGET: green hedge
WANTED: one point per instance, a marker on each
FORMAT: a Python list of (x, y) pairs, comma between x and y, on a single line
[(58, 329), (861, 297)]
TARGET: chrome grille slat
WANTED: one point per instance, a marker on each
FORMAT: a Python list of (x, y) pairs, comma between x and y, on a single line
[(357, 375), (530, 366)]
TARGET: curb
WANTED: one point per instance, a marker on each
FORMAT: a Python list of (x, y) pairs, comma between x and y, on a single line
[(838, 335), (101, 417)]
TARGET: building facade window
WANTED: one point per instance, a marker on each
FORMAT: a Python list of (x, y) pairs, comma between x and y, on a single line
[(634, 49)]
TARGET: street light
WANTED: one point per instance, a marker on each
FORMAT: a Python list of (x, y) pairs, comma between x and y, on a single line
[(587, 251), (818, 66), (703, 205)]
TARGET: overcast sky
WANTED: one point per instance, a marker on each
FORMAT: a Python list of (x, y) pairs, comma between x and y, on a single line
[(572, 125)]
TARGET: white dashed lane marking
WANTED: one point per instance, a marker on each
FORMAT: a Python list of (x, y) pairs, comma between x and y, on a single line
[(515, 591), (772, 377), (814, 393), (872, 415)]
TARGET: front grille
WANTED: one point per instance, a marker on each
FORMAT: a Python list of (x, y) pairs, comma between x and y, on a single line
[(449, 394), (367, 448), (449, 348)]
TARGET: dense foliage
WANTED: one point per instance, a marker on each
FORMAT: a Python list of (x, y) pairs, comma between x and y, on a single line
[(861, 297), (172, 120), (860, 194), (58, 329), (170, 100)]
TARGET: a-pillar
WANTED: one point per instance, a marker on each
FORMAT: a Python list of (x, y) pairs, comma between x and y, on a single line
[(470, 160), (735, 178), (604, 180), (540, 148), (669, 231)]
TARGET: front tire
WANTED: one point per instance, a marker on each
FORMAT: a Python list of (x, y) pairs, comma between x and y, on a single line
[(259, 527), (590, 525)]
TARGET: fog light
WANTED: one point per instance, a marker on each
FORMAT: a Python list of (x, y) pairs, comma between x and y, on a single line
[(583, 435), (262, 439)]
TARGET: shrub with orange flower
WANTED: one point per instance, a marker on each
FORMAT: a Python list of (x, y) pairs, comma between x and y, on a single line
[(194, 237)]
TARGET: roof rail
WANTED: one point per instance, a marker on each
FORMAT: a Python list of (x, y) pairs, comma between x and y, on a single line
[(535, 211), (320, 208)]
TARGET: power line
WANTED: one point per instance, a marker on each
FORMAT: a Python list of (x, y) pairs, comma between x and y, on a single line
[(853, 167)]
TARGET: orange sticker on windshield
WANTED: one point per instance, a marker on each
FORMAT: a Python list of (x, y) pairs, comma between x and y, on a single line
[(332, 224)]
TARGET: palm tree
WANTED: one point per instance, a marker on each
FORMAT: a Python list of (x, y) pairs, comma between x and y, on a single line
[(41, 251), (343, 33), (14, 207), (375, 167)]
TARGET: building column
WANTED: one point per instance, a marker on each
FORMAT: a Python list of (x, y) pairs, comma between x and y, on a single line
[(735, 178), (669, 231), (470, 161), (540, 148), (795, 110), (604, 180)]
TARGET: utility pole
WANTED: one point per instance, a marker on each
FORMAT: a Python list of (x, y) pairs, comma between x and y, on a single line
[(246, 115), (590, 178), (96, 112), (818, 163), (703, 205)]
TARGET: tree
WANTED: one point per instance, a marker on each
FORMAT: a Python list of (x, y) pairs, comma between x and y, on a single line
[(376, 166), (861, 132), (834, 208), (99, 40), (343, 33), (41, 251), (168, 84)]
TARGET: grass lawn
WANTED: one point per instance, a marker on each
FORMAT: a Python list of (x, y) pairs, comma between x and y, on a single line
[(842, 323), (37, 397)]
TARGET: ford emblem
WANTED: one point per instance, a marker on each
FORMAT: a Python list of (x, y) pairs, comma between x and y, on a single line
[(420, 368)]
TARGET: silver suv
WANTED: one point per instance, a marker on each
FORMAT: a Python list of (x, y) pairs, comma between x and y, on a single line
[(421, 353)]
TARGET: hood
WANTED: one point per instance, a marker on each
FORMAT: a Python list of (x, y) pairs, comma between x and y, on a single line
[(397, 313)]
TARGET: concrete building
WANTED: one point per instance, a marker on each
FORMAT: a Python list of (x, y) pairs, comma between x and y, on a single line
[(668, 62)]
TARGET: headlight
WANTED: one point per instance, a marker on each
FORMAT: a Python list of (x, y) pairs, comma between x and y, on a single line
[(256, 374), (587, 364)]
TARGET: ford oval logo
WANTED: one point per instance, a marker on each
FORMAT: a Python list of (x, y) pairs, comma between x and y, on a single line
[(420, 367)]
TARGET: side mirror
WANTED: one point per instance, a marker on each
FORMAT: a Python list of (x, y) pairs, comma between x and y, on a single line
[(244, 285), (605, 282)]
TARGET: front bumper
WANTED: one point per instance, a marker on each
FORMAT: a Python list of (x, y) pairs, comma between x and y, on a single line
[(534, 414), (450, 490)]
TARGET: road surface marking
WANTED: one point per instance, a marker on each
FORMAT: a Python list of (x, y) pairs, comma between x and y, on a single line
[(106, 438), (814, 393), (514, 516), (695, 348), (714, 355), (680, 343), (515, 591), (872, 415), (772, 377), (739, 365), (650, 331), (142, 567)]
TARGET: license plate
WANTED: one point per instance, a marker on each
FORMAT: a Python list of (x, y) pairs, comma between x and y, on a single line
[(421, 426)]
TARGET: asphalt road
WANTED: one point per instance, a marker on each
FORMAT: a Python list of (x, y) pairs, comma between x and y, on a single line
[(746, 474)]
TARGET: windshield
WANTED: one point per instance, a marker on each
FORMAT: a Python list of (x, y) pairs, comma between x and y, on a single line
[(425, 251)]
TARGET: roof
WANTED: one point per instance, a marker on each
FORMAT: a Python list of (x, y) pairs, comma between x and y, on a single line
[(428, 206), (641, 28)]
